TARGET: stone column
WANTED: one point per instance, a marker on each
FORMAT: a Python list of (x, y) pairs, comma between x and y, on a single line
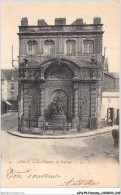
[(41, 108), (99, 103), (76, 103), (75, 121), (93, 101), (41, 119), (42, 102)]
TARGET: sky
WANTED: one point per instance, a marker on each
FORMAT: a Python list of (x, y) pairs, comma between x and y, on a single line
[(13, 11)]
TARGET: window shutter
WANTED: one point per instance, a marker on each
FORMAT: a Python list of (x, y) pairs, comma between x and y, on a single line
[(91, 48), (70, 45), (49, 47), (88, 46), (32, 47)]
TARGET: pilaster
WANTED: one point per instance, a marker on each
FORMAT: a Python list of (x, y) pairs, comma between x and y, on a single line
[(93, 115), (75, 121), (41, 118)]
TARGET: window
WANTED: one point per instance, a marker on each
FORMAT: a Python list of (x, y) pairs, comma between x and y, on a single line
[(71, 47), (88, 46), (49, 47), (32, 47)]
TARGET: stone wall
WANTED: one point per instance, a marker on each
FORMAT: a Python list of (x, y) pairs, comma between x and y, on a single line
[(80, 81), (60, 44)]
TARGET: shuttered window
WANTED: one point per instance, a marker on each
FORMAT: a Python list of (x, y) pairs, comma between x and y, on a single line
[(88, 46), (32, 47), (71, 47), (49, 47)]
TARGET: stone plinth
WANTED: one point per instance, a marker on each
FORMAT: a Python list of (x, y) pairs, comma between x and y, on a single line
[(59, 120), (41, 123), (75, 123)]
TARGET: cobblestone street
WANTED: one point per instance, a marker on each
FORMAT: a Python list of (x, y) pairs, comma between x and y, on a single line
[(96, 148), (78, 158)]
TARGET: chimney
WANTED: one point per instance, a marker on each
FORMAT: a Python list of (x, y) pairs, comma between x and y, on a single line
[(78, 21), (97, 20), (60, 21), (41, 22), (24, 22)]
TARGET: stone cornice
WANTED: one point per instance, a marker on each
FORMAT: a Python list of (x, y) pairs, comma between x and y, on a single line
[(60, 33)]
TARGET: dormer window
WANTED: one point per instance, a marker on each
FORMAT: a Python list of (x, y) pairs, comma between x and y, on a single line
[(71, 47), (88, 47), (49, 47), (32, 47)]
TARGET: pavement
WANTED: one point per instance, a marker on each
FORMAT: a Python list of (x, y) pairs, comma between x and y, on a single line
[(105, 130), (14, 131), (93, 156), (5, 115)]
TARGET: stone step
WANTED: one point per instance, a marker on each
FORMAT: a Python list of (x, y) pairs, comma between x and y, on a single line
[(57, 127)]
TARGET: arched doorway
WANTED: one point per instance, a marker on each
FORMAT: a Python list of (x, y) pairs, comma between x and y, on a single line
[(58, 91)]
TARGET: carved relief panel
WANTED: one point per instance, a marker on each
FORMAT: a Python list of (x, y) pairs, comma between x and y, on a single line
[(33, 99), (85, 73), (31, 104), (84, 100), (56, 72)]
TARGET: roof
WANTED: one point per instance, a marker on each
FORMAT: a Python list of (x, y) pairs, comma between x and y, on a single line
[(3, 76), (113, 74), (9, 73)]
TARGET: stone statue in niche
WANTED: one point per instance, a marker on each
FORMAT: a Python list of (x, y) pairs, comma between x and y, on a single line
[(58, 107), (94, 60), (54, 107)]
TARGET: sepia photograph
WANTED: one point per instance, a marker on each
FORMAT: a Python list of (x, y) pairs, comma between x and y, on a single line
[(60, 96)]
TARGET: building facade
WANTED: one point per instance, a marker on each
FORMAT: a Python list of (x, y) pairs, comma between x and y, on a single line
[(10, 88), (61, 73), (110, 98), (3, 87), (3, 94)]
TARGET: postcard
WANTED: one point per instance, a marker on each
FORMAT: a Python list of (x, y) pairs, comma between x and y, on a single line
[(60, 94)]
